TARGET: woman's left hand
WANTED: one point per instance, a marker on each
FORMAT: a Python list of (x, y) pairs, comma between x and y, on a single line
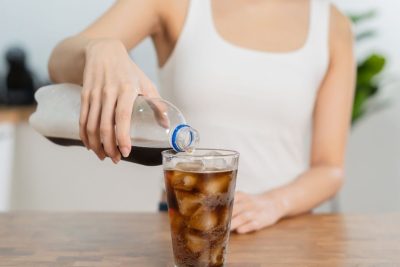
[(254, 212)]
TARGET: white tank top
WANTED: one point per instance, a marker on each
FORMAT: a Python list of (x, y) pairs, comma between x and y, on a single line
[(258, 103)]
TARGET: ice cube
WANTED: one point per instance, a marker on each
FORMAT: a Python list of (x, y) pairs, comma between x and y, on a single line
[(190, 166), (216, 184), (196, 243), (203, 219), (188, 202), (177, 221), (217, 255), (214, 153), (216, 164), (183, 181), (224, 215), (213, 163)]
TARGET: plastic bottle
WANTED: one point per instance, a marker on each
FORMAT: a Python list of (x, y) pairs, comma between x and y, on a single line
[(156, 124)]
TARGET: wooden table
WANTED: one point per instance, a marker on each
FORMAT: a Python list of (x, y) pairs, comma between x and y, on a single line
[(115, 239)]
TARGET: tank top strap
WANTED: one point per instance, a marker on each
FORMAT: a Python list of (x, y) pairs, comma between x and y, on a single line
[(199, 15), (319, 25), (205, 8)]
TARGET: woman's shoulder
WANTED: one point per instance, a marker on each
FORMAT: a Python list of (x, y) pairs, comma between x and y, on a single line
[(340, 26)]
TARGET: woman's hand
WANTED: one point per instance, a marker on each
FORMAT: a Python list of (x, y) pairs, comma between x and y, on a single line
[(111, 83), (254, 212)]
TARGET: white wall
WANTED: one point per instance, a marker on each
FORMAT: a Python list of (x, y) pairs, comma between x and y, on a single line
[(6, 155), (51, 178), (387, 24)]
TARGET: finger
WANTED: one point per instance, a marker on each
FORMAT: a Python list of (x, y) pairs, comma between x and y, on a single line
[(107, 129), (240, 203), (83, 116), (239, 196), (123, 114), (248, 227), (159, 107), (239, 207), (240, 220), (160, 111), (85, 104), (93, 125), (150, 89)]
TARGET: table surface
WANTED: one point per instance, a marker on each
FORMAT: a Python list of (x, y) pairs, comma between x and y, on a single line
[(137, 239)]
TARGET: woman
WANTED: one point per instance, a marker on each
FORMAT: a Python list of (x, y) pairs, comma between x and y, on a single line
[(271, 79)]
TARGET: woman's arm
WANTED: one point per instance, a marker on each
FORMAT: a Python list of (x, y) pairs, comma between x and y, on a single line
[(98, 59), (127, 22), (331, 124)]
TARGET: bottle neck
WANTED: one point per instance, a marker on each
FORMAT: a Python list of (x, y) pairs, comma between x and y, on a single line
[(184, 138)]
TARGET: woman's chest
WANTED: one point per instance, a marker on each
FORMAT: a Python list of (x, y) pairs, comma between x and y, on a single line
[(244, 87)]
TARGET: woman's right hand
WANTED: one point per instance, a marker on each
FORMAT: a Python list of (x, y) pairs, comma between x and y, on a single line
[(111, 83)]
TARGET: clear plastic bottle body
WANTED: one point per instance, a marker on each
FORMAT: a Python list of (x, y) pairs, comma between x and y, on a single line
[(156, 124)]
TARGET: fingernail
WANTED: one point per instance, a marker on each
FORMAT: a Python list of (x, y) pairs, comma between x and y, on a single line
[(125, 151), (117, 158)]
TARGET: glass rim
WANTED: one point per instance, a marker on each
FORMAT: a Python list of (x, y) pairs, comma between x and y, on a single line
[(170, 153)]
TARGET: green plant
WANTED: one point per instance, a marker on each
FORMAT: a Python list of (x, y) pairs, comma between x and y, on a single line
[(368, 69)]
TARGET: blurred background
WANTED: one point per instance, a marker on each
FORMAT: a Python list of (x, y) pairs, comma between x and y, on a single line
[(37, 175)]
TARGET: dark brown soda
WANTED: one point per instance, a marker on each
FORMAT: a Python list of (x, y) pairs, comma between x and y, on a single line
[(200, 208), (148, 156)]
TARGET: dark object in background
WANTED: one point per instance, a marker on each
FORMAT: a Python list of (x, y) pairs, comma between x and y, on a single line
[(19, 87)]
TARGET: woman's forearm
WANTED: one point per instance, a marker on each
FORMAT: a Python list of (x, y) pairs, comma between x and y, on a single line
[(254, 212), (310, 189), (67, 60)]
